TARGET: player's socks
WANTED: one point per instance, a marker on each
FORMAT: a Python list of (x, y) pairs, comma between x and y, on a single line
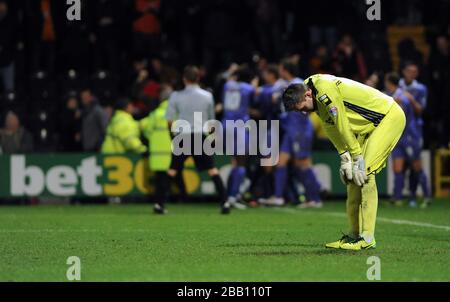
[(280, 180), (369, 205), (399, 182), (179, 181), (237, 177), (309, 180), (268, 184), (290, 193), (220, 188), (159, 209), (353, 206), (423, 181), (413, 183)]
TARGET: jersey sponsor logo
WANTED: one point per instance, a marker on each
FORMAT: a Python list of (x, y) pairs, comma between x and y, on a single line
[(325, 100), (372, 116), (323, 97)]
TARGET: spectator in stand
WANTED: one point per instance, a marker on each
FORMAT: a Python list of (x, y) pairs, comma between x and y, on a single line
[(138, 64), (373, 80), (163, 73), (94, 121), (8, 37), (348, 60), (144, 91), (320, 62), (43, 26), (14, 138), (70, 126), (146, 27), (408, 52)]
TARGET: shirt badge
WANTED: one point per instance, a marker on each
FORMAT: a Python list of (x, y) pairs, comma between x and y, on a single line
[(333, 111)]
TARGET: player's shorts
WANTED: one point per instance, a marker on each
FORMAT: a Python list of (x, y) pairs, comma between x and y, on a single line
[(378, 145), (298, 145), (202, 161), (407, 150)]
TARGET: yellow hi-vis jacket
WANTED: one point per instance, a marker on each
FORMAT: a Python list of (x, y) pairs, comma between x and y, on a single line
[(155, 128), (123, 135)]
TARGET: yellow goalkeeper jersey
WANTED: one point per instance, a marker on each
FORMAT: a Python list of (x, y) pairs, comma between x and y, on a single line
[(348, 109)]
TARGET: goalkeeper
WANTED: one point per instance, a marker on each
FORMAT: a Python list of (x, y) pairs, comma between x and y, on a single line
[(364, 125)]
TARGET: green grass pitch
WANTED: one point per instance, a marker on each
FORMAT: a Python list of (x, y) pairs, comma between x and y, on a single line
[(195, 243)]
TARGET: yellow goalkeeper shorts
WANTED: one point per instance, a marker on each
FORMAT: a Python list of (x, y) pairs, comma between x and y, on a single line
[(377, 145)]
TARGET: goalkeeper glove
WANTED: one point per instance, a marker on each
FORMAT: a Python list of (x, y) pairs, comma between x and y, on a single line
[(345, 171), (359, 170)]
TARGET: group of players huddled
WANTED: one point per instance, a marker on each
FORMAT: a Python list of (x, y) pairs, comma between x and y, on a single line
[(244, 95), (411, 95), (243, 98)]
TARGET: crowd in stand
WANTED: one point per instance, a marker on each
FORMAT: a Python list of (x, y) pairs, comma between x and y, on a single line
[(60, 79)]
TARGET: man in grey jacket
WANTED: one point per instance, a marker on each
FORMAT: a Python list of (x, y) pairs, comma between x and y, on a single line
[(94, 121), (14, 138)]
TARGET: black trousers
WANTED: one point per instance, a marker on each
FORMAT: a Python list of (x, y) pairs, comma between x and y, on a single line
[(162, 187)]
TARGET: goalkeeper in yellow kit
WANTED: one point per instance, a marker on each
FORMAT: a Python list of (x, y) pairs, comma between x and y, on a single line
[(364, 125)]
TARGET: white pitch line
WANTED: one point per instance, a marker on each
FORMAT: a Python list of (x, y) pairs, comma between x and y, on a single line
[(286, 210), (388, 220)]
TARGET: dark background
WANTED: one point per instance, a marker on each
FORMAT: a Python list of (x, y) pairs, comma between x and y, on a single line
[(108, 48)]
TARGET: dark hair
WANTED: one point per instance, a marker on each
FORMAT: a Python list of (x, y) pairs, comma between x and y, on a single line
[(292, 95), (273, 69), (122, 103), (244, 74), (191, 74), (409, 63), (393, 78), (289, 66)]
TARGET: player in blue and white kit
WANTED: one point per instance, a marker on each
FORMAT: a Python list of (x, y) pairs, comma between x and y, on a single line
[(267, 109), (266, 100), (407, 148), (416, 92), (238, 97), (296, 143)]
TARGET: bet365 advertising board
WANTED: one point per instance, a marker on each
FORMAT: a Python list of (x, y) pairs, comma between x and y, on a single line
[(68, 175)]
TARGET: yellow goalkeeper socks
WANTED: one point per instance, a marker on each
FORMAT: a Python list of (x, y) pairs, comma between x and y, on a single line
[(353, 209), (369, 205)]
